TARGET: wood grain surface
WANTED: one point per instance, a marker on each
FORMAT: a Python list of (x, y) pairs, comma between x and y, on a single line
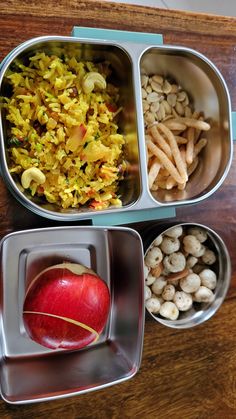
[(189, 374)]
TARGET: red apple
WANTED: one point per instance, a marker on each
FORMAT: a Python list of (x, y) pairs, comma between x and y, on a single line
[(66, 306)]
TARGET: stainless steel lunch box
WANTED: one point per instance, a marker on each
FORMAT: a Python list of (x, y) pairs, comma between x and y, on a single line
[(199, 313), (130, 54), (28, 371)]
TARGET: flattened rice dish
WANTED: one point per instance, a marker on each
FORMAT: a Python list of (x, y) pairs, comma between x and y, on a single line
[(63, 139)]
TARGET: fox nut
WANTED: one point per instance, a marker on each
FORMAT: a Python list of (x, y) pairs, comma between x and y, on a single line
[(175, 262), (191, 244), (209, 257), (208, 278), (199, 233), (158, 285), (150, 279), (153, 257), (170, 245), (169, 310), (203, 295), (191, 261), (190, 283), (168, 292), (147, 292), (158, 240), (183, 301), (153, 305), (175, 232)]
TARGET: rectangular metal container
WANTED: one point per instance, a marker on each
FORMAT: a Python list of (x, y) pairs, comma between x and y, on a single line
[(130, 55), (29, 372)]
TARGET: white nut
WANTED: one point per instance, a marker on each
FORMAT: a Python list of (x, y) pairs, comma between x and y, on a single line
[(179, 108), (183, 300), (145, 106), (171, 99), (152, 97), (170, 245), (155, 107), (147, 293), (168, 292), (174, 232), (150, 279), (191, 244), (209, 257), (175, 262), (32, 174), (144, 93), (199, 233), (190, 283), (153, 305), (158, 285), (158, 79), (153, 257), (144, 80), (191, 261), (146, 271), (200, 252), (203, 295), (166, 87), (208, 278), (92, 80), (169, 310), (158, 240), (156, 87), (149, 118)]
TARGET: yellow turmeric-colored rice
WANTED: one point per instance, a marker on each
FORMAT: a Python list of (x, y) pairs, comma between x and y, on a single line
[(71, 136)]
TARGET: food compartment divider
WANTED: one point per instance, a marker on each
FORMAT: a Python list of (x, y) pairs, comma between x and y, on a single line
[(129, 216)]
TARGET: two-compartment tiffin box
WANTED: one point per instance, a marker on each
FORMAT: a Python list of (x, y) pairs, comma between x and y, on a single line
[(130, 55)]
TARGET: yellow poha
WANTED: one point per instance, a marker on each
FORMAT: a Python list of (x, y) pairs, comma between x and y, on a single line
[(69, 135)]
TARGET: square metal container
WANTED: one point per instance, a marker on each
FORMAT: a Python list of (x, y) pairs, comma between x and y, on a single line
[(129, 58), (29, 372)]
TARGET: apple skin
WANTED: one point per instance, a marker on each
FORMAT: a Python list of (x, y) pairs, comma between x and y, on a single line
[(75, 294)]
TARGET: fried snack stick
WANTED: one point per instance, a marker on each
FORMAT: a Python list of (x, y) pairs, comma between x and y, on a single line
[(190, 145), (160, 141), (165, 161), (199, 146), (153, 172), (191, 122), (175, 125), (175, 151)]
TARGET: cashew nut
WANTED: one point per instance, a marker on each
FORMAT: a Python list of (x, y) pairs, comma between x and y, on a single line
[(33, 173), (92, 79)]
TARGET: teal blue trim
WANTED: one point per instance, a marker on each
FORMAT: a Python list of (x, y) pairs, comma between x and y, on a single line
[(117, 35), (133, 216), (234, 125)]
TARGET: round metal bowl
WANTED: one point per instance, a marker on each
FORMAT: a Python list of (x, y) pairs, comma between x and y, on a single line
[(199, 312)]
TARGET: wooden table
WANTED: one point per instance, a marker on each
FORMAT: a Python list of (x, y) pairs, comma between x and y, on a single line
[(184, 374)]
